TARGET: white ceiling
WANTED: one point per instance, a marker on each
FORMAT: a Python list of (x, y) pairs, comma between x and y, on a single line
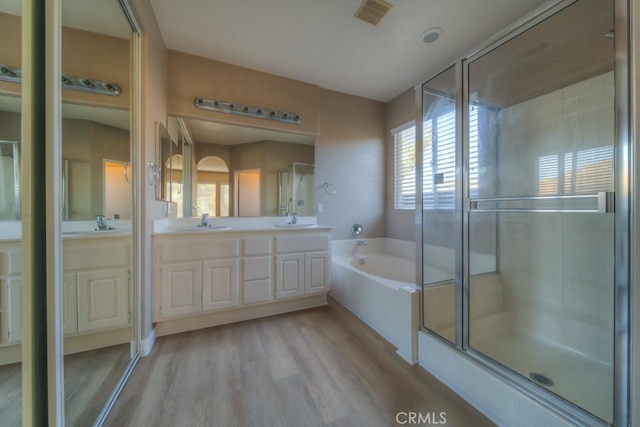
[(98, 16), (319, 41)]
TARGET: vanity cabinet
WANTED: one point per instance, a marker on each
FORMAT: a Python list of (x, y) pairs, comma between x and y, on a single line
[(96, 283), (257, 283), (205, 278), (12, 319), (290, 275), (180, 289), (195, 275), (304, 265), (96, 294), (103, 299), (219, 284), (10, 292)]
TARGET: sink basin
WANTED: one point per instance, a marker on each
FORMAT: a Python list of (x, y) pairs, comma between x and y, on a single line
[(94, 232), (297, 225)]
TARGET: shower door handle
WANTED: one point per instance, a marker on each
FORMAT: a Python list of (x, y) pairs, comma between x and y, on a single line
[(605, 203)]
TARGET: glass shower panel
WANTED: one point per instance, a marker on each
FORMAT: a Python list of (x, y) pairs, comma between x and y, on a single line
[(541, 237), (296, 191), (439, 181)]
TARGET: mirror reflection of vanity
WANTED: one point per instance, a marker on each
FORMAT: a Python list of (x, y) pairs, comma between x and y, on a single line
[(240, 171), (97, 300)]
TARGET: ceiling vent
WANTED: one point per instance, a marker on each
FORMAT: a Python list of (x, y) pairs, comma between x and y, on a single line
[(372, 11)]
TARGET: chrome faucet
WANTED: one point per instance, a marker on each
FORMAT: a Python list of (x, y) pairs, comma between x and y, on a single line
[(204, 221), (100, 224), (361, 243), (294, 218)]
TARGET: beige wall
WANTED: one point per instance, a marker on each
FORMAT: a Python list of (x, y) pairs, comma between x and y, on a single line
[(96, 56), (350, 152), (154, 102), (11, 36), (193, 76), (91, 142), (400, 223), (270, 157), (84, 54)]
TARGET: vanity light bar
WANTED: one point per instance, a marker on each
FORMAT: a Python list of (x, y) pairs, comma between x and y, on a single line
[(245, 110), (10, 74), (82, 84)]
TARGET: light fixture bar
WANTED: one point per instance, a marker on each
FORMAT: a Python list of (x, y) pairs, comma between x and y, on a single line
[(10, 74), (247, 111), (82, 84)]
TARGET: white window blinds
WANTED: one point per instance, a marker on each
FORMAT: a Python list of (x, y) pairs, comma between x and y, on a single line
[(438, 162), (404, 183)]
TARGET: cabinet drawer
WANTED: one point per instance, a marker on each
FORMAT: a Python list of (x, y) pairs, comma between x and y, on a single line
[(257, 246), (302, 243), (256, 291), (256, 268), (199, 247)]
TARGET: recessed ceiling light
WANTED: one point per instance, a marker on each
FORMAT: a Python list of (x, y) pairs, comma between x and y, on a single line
[(431, 35)]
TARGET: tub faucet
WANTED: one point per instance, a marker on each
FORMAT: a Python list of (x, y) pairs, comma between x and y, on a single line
[(294, 218), (100, 224), (361, 243), (204, 221)]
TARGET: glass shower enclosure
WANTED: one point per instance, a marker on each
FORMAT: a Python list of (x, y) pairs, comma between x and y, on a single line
[(522, 211), (296, 192)]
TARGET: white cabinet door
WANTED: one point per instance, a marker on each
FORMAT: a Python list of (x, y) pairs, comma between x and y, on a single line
[(181, 289), (103, 299), (317, 267), (219, 284), (289, 275), (70, 304), (12, 331)]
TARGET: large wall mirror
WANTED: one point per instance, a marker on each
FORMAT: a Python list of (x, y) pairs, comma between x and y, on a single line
[(10, 228), (97, 294), (243, 171), (96, 291)]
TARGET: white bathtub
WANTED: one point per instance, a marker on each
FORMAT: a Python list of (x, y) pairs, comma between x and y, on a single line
[(377, 283)]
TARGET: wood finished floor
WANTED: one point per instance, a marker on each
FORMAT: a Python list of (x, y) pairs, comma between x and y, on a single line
[(318, 367), (89, 378)]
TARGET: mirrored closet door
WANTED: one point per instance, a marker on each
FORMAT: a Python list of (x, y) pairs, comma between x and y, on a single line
[(10, 224), (97, 208)]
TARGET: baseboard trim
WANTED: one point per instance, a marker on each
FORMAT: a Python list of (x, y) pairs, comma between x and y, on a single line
[(173, 326), (147, 343)]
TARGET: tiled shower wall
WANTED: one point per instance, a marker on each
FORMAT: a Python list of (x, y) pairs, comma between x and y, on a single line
[(557, 270)]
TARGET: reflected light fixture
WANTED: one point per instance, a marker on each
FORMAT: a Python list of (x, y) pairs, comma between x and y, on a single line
[(81, 84), (247, 111)]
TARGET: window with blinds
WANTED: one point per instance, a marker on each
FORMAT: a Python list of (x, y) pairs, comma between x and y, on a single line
[(404, 183), (438, 163), (439, 159)]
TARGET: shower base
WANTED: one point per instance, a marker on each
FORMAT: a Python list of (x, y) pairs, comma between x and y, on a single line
[(585, 382)]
